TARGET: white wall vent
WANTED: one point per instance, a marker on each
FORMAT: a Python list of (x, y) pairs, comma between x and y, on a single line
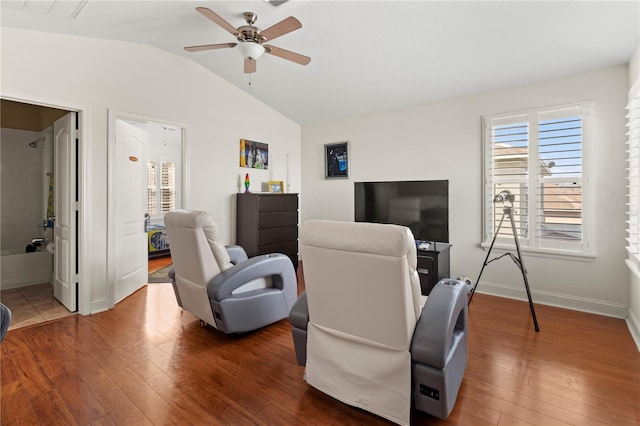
[(276, 3)]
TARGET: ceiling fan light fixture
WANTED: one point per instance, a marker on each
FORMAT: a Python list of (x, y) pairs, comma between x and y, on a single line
[(250, 49), (251, 40)]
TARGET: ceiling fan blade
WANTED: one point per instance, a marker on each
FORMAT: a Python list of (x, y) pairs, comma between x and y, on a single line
[(218, 20), (281, 28), (249, 66), (209, 47), (286, 54)]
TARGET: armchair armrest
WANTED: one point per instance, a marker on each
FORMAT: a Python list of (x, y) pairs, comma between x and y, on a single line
[(299, 315), (236, 254), (442, 324), (299, 319), (277, 266)]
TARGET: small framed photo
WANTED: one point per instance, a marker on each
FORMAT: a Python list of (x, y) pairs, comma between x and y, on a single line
[(276, 186), (336, 160)]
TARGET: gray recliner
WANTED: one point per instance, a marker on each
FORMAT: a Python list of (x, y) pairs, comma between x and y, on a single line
[(218, 284), (365, 333)]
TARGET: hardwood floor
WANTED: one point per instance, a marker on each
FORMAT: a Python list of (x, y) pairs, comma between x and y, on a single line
[(157, 263), (144, 362)]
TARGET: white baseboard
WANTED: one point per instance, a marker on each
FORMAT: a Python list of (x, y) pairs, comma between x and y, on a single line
[(634, 328), (99, 306), (633, 322), (582, 304)]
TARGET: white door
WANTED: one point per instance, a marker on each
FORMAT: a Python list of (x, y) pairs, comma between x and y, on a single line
[(65, 208), (131, 264)]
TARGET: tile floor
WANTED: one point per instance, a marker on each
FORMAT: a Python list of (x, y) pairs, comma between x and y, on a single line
[(32, 305)]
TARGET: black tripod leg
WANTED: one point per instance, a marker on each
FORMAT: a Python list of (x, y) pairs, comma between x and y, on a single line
[(495, 235), (523, 269)]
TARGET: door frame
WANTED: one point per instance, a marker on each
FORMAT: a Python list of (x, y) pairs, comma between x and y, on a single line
[(83, 182), (113, 116)]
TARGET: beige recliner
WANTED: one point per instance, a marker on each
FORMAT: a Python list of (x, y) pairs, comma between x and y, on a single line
[(218, 284), (365, 333)]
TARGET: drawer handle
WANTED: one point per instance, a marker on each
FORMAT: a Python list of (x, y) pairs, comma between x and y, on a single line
[(423, 271)]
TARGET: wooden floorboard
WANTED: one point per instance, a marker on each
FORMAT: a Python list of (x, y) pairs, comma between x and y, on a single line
[(146, 362)]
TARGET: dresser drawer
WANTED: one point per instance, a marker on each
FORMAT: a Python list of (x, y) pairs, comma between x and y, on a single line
[(270, 203), (278, 235), (276, 219), (290, 248)]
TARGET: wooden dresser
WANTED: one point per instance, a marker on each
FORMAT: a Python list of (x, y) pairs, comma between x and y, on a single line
[(268, 223)]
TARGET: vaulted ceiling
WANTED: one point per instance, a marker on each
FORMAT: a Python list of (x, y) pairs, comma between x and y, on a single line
[(366, 56)]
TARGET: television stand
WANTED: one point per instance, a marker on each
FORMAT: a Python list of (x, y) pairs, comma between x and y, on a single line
[(433, 264)]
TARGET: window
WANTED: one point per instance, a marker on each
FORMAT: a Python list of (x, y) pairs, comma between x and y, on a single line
[(539, 157), (161, 187), (633, 155)]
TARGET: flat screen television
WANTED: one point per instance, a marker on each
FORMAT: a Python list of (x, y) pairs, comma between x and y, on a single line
[(422, 206)]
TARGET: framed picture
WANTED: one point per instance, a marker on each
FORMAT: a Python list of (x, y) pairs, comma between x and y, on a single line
[(336, 160), (254, 155), (276, 186)]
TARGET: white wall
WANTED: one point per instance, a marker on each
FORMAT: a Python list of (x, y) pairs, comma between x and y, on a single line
[(23, 208), (101, 75), (442, 140), (634, 68)]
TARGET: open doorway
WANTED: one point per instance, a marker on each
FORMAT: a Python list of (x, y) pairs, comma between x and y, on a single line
[(146, 180), (37, 143)]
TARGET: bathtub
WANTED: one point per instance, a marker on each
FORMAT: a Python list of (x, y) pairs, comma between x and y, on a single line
[(19, 269)]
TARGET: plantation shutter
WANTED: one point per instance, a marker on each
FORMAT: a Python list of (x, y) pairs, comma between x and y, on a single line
[(167, 186), (559, 221), (509, 170), (152, 188), (633, 155), (161, 187)]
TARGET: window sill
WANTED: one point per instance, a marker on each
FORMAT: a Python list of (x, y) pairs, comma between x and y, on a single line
[(545, 253)]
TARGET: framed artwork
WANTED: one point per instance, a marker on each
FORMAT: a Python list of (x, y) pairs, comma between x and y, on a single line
[(336, 160), (254, 155), (276, 186)]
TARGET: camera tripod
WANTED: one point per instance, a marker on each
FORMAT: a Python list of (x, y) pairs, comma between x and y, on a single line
[(507, 211)]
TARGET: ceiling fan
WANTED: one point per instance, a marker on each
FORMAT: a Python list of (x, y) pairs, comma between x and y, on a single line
[(251, 40)]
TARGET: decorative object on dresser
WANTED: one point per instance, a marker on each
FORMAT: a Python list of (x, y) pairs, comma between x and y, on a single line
[(268, 223), (276, 186), (247, 183)]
